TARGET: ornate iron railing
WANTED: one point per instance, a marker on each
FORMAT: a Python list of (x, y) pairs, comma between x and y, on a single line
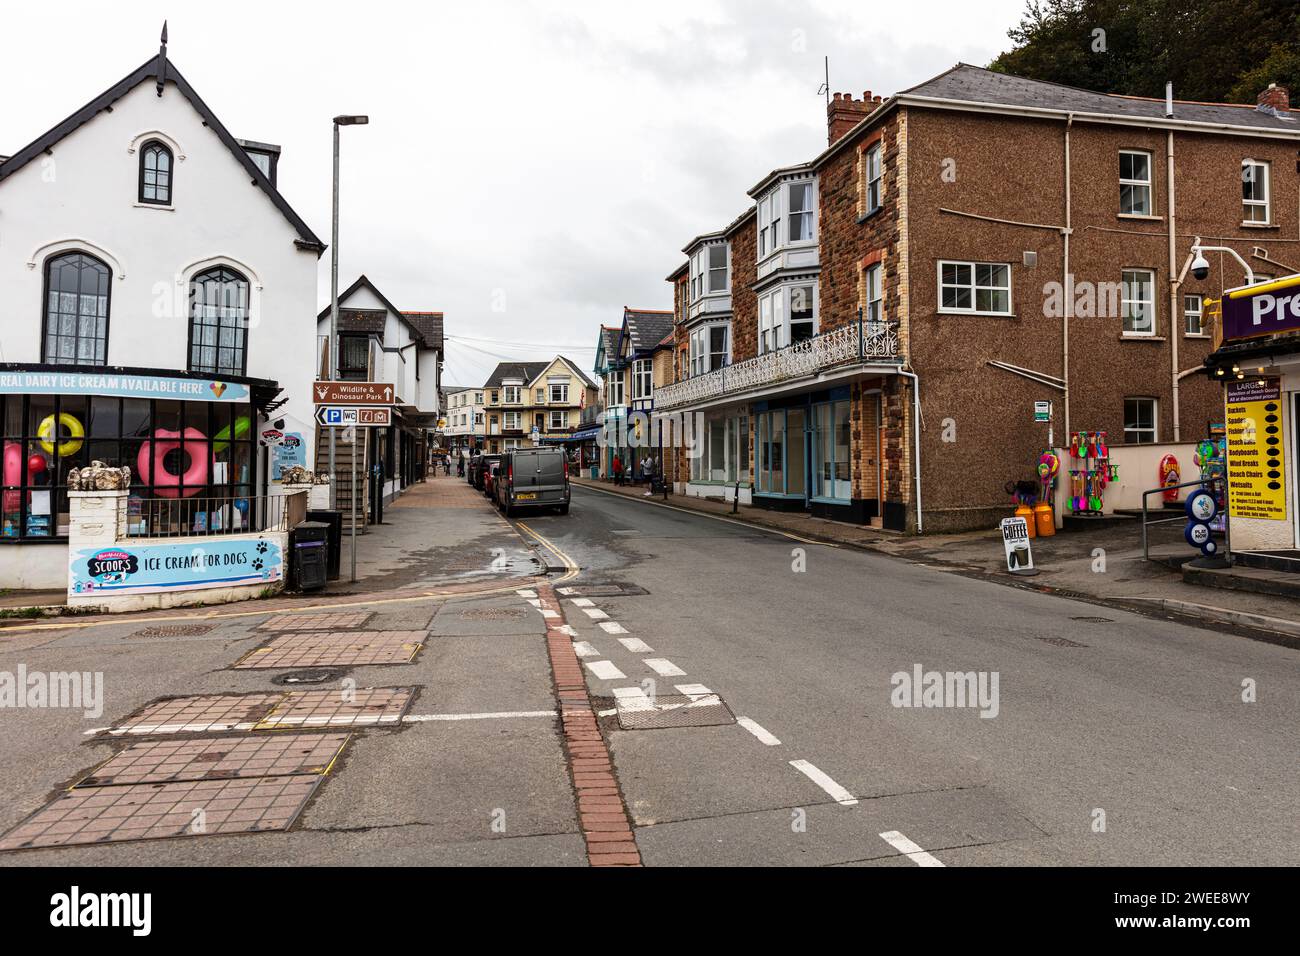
[(857, 342)]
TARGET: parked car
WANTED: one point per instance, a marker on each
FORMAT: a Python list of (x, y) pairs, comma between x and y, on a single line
[(490, 478), (482, 464), (533, 478)]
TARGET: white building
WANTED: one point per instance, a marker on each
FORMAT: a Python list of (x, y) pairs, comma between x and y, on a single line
[(465, 417), (157, 296)]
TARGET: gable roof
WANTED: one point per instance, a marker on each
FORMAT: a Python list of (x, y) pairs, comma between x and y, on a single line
[(646, 328), (975, 84), (606, 343), (527, 371), (429, 325), (573, 367), (426, 327), (160, 69)]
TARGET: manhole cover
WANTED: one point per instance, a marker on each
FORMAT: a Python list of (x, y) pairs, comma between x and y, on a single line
[(491, 614), (174, 630), (306, 677), (612, 589), (672, 710), (1094, 620), (1061, 642)]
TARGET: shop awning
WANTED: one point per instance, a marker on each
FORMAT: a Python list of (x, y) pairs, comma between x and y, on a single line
[(586, 434)]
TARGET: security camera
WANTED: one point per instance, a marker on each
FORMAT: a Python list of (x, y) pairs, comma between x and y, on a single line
[(1200, 268)]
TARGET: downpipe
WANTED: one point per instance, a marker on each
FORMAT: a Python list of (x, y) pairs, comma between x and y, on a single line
[(916, 442)]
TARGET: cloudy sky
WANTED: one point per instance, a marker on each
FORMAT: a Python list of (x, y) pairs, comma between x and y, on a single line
[(530, 167)]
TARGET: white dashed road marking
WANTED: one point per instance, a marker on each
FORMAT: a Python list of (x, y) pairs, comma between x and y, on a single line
[(693, 691), (635, 645), (612, 627), (754, 728), (595, 613), (909, 849), (605, 670), (632, 698), (547, 612), (526, 593), (420, 718), (566, 629), (838, 793), (663, 667), (583, 649), (582, 602)]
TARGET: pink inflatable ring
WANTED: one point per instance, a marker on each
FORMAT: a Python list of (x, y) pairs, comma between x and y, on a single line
[(151, 463)]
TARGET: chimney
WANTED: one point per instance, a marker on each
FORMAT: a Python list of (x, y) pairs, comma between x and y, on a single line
[(843, 113), (1278, 97)]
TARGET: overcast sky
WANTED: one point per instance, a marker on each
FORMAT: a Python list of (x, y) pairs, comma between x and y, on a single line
[(530, 168)]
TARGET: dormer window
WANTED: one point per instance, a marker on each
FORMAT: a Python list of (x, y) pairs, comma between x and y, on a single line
[(156, 174)]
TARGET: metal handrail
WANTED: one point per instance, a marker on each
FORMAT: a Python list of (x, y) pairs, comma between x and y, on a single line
[(1227, 538)]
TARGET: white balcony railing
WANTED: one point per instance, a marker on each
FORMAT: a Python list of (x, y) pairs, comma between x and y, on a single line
[(856, 343)]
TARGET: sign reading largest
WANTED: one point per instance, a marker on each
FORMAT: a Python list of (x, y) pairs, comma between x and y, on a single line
[(1262, 310), (1256, 486), (121, 385), (128, 568)]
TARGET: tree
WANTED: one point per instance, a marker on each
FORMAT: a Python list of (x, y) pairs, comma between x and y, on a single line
[(1212, 50)]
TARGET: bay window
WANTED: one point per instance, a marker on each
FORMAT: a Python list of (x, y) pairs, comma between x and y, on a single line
[(709, 348), (787, 315), (641, 379)]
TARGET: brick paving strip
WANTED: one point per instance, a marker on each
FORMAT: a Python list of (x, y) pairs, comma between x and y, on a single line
[(606, 826)]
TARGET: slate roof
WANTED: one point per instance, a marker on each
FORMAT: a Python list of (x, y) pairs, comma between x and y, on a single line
[(362, 320), (646, 328), (429, 325), (522, 370), (160, 69), (976, 84)]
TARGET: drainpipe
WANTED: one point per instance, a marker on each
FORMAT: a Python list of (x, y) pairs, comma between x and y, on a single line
[(916, 442), (1175, 281), (1067, 284)]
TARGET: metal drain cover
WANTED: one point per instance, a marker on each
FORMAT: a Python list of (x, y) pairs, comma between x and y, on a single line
[(1094, 620), (294, 678), (174, 630), (1061, 642), (674, 710), (492, 614)]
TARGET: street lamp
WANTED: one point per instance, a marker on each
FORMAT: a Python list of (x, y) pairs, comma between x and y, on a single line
[(332, 373)]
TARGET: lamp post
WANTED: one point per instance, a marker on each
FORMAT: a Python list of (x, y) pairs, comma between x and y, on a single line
[(332, 373)]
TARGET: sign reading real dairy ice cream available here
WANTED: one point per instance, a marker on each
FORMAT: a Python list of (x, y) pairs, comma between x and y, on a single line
[(202, 563), (1270, 308), (1256, 482), (121, 385)]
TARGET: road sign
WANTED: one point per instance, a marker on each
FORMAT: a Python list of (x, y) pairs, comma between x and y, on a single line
[(343, 416), (1042, 411), (352, 393)]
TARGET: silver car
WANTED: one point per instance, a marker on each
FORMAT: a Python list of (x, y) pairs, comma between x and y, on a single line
[(533, 478)]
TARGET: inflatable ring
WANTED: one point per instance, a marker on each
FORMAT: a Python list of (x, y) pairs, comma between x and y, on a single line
[(152, 467), (76, 432)]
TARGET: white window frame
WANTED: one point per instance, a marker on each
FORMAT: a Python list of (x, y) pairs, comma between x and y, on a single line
[(509, 417), (1125, 300), (642, 379), (697, 274), (557, 420), (711, 269), (478, 398), (973, 287), (1154, 430), (511, 394), (701, 358), (809, 214), (616, 397), (872, 171), (1193, 307), (874, 292), (769, 224), (1249, 205), (560, 398), (774, 309), (1146, 184)]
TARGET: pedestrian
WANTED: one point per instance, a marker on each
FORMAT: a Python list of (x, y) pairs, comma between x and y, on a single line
[(616, 466)]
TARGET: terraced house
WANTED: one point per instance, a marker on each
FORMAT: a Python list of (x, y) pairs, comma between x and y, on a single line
[(867, 340), (535, 403), (627, 357)]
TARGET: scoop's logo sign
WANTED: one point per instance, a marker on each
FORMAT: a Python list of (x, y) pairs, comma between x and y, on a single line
[(111, 565)]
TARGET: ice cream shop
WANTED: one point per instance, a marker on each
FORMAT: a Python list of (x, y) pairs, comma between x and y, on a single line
[(1258, 361)]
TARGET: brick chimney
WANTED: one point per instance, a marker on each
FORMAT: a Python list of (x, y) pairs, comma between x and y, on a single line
[(1278, 97), (843, 113)]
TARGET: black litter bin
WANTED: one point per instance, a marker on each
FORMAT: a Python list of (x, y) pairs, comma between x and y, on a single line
[(335, 521), (309, 543)]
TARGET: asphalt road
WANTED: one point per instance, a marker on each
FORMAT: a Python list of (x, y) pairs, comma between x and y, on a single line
[(1117, 739)]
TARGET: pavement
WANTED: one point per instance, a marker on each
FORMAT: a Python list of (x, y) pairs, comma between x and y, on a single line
[(742, 706)]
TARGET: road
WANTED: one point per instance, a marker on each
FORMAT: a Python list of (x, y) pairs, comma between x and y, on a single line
[(1112, 738), (1099, 709)]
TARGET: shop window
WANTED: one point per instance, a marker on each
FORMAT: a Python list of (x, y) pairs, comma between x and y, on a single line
[(831, 451), (1134, 183), (219, 322), (1140, 421), (76, 310), (156, 174)]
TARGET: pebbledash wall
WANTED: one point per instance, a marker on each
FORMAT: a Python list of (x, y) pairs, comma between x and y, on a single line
[(971, 174), (77, 190)]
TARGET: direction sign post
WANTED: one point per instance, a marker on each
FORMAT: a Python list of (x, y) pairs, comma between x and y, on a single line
[(353, 393)]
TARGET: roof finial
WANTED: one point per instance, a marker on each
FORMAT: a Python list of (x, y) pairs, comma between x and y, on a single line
[(161, 72)]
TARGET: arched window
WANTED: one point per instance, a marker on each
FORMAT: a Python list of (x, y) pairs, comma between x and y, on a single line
[(156, 174), (219, 322), (76, 310)]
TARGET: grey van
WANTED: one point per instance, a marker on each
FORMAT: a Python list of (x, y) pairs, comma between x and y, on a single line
[(533, 478)]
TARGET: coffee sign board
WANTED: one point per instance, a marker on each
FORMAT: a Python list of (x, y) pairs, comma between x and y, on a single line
[(1015, 541), (1262, 310)]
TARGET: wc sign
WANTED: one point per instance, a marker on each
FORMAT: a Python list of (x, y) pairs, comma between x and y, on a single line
[(1015, 542)]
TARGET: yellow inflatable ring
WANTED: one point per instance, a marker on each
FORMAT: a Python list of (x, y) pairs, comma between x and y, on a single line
[(47, 434)]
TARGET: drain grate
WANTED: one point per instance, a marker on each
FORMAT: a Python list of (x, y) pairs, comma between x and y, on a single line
[(224, 758), (152, 811), (1060, 642), (491, 614), (673, 710), (610, 589), (1094, 620), (174, 630), (294, 678)]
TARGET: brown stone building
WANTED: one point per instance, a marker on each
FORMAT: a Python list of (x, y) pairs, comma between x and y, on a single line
[(868, 340)]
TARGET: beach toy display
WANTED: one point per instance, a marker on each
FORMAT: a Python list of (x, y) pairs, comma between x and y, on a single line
[(1090, 472), (151, 463), (49, 436)]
